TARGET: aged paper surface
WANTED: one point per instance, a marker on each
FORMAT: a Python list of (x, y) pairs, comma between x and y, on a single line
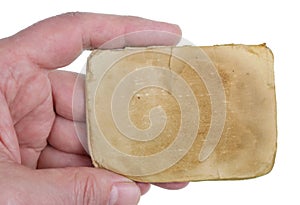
[(166, 114)]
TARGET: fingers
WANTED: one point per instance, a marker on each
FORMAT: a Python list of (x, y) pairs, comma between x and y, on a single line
[(173, 185), (68, 94), (65, 136), (53, 158), (57, 41), (88, 186), (68, 90), (144, 187), (66, 186)]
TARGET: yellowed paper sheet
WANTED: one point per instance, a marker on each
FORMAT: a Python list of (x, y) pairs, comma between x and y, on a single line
[(168, 114)]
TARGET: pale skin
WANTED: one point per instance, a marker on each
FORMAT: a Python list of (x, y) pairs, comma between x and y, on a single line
[(41, 158)]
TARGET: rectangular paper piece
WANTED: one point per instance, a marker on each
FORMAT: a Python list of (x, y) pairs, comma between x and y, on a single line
[(172, 114)]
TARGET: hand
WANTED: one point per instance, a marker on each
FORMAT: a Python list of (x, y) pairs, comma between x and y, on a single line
[(37, 122)]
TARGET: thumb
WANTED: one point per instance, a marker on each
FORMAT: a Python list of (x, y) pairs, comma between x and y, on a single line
[(85, 186)]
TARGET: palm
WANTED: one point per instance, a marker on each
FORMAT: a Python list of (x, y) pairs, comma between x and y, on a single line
[(32, 98), (32, 113)]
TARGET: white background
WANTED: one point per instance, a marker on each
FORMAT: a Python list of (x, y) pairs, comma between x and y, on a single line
[(206, 23)]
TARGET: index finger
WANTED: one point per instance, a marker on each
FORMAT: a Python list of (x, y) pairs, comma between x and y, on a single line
[(57, 41)]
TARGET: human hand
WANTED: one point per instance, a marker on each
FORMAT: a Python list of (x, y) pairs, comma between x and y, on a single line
[(38, 114)]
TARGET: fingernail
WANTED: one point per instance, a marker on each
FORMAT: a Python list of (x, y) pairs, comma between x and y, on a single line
[(127, 193)]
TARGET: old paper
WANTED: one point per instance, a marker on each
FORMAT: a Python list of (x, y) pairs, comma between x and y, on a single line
[(169, 114)]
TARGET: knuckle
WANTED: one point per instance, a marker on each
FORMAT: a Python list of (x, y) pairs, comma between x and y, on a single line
[(86, 189), (73, 14)]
